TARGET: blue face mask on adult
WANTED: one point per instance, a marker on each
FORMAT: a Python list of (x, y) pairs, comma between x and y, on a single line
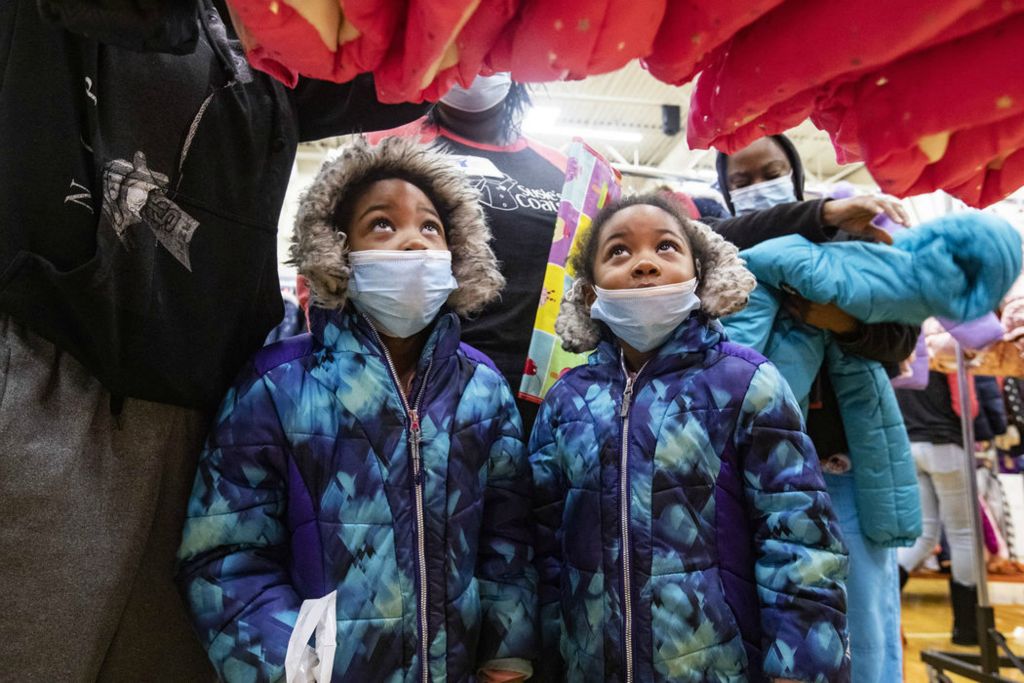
[(400, 291), (763, 195), (646, 317)]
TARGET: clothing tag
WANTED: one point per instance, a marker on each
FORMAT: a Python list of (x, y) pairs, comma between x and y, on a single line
[(302, 663), (477, 166)]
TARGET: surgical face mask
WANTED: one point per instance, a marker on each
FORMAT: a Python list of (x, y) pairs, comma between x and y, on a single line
[(763, 195), (400, 291), (485, 92), (645, 318)]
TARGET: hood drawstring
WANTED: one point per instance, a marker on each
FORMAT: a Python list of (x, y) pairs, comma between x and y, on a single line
[(237, 71)]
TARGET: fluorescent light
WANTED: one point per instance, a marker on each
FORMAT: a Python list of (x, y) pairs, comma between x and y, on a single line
[(543, 120), (541, 117)]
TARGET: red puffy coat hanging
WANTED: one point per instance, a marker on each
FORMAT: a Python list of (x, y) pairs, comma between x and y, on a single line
[(466, 56), (423, 48), (333, 40), (950, 117), (928, 94), (691, 29), (572, 39), (765, 79)]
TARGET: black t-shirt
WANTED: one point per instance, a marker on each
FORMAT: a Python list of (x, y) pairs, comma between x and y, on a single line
[(520, 190), (929, 413)]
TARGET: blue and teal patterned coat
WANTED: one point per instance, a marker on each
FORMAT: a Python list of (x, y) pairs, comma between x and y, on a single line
[(733, 569), (306, 486)]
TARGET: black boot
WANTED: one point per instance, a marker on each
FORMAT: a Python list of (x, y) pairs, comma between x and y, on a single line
[(965, 618)]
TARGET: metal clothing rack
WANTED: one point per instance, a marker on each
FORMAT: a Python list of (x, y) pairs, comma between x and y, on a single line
[(985, 665)]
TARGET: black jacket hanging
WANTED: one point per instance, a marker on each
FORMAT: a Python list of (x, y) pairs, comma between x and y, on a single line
[(139, 199)]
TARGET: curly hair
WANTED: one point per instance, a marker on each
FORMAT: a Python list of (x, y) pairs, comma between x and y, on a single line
[(724, 284)]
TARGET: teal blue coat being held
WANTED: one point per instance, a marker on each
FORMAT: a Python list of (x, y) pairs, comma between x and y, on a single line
[(957, 267)]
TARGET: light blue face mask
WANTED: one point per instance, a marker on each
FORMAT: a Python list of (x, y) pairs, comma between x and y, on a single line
[(645, 318), (763, 195), (400, 291)]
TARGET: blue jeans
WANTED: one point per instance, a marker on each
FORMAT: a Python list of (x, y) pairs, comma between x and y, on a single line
[(872, 589)]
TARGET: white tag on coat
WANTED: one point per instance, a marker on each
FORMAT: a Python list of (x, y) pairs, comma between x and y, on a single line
[(302, 663)]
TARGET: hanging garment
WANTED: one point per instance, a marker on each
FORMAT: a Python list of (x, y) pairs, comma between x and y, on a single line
[(937, 107), (950, 117), (327, 39), (942, 266), (466, 55), (555, 41), (728, 113), (691, 30)]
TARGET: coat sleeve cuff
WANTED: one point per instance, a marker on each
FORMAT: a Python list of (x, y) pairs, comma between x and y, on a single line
[(824, 233)]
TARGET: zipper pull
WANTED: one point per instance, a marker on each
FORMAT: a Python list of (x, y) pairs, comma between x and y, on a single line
[(627, 397), (414, 446)]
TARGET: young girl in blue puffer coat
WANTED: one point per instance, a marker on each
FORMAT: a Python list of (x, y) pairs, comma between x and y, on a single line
[(372, 461), (685, 533)]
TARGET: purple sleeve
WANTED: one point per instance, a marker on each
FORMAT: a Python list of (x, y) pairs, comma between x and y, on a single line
[(478, 356)]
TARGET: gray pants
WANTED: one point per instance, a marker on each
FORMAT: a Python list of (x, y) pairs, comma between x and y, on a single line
[(945, 504), (91, 510)]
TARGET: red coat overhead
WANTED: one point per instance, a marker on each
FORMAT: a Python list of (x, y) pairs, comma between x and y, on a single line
[(930, 109), (951, 117), (334, 40), (928, 94), (769, 74), (578, 38), (691, 29), (425, 46)]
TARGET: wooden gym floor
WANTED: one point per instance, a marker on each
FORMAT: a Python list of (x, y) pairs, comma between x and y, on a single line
[(927, 619)]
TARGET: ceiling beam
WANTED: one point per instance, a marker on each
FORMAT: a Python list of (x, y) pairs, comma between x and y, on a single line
[(615, 154)]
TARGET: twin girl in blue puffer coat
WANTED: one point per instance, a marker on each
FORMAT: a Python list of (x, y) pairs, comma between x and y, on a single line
[(371, 476)]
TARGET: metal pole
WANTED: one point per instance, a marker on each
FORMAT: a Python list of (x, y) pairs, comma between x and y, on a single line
[(967, 427), (985, 618)]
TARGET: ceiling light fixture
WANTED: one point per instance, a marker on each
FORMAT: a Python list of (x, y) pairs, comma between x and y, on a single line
[(542, 120)]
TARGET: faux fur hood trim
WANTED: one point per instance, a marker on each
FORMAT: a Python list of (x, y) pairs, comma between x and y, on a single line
[(319, 250), (724, 287)]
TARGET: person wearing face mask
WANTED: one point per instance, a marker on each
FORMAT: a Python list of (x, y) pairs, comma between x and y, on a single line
[(683, 528), (371, 473), (763, 186), (520, 181)]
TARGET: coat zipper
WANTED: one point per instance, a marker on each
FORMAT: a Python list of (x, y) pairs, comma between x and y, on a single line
[(415, 435), (627, 560)]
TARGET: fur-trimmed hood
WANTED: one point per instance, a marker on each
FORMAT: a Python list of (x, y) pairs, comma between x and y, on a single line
[(319, 249), (724, 287)]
